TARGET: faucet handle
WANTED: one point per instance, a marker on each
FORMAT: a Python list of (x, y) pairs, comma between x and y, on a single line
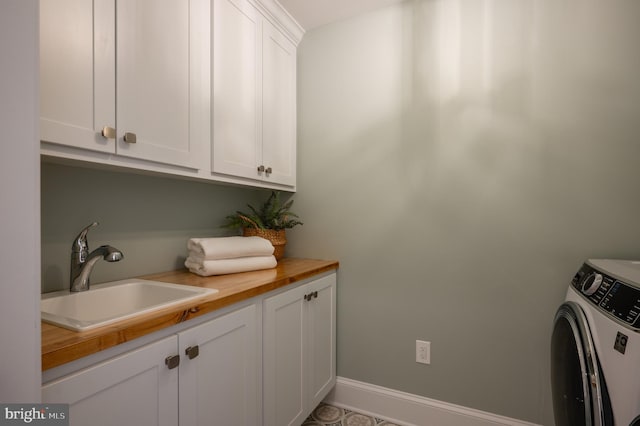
[(80, 243)]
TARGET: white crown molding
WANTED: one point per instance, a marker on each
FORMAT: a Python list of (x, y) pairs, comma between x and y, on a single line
[(279, 16)]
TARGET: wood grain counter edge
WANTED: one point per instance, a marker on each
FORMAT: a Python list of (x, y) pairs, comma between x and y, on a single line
[(60, 346)]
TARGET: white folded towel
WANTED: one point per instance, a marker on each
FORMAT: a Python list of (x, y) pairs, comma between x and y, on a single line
[(229, 266), (229, 247)]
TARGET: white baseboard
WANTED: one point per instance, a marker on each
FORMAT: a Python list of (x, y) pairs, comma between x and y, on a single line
[(410, 410)]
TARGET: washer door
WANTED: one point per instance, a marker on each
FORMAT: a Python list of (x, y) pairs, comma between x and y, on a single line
[(578, 388)]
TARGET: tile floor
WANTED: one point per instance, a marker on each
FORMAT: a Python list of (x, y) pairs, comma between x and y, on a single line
[(329, 415)]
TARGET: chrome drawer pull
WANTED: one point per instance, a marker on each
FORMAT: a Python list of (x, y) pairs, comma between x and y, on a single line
[(108, 132), (130, 137)]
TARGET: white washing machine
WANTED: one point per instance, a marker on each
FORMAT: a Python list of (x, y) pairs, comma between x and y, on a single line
[(595, 347)]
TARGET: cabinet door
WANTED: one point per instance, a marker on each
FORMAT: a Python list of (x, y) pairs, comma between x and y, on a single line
[(220, 385), (136, 388), (154, 85), (77, 72), (278, 106), (284, 353), (321, 338), (236, 89)]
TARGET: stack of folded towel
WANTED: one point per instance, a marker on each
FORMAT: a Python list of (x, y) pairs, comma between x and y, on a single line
[(227, 255)]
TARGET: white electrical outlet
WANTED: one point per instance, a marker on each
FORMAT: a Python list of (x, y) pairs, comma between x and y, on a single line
[(423, 352)]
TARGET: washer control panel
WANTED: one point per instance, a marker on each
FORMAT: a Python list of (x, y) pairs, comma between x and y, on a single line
[(613, 296)]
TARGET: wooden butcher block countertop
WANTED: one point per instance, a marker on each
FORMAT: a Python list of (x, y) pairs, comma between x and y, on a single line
[(60, 345)]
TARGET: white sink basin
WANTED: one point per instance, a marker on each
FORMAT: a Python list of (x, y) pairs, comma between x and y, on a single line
[(107, 303)]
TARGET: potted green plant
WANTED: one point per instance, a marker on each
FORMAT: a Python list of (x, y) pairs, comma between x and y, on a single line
[(269, 221)]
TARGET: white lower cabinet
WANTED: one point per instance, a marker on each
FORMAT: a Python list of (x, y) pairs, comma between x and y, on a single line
[(299, 350), (135, 388), (219, 386), (224, 375), (215, 382)]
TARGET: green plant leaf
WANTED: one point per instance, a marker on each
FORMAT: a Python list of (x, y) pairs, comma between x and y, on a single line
[(272, 214)]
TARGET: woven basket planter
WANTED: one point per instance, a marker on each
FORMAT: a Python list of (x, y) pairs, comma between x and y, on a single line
[(278, 238)]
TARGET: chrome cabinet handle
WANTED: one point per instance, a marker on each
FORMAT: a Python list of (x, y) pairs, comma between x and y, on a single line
[(268, 171), (130, 137), (108, 132), (260, 168), (172, 361), (192, 351)]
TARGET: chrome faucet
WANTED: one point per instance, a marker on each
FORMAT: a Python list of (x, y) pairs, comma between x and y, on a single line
[(82, 261)]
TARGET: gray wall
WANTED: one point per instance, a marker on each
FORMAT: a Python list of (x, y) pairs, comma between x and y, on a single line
[(461, 159), (149, 218), (20, 376)]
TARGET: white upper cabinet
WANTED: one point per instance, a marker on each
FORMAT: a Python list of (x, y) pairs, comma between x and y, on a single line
[(131, 70), (153, 81), (278, 105), (236, 88), (198, 88), (77, 72), (254, 96)]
